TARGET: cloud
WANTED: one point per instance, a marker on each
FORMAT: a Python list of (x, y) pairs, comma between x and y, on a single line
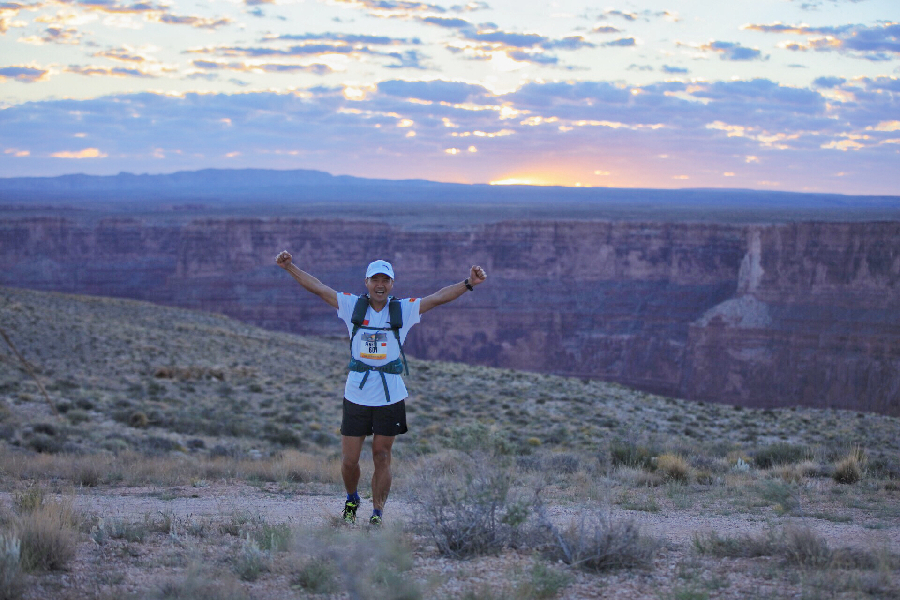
[(628, 16), (404, 128), (447, 22), (94, 71), (346, 38), (434, 91), (645, 15), (123, 54), (673, 70), (485, 41), (207, 65), (878, 42), (86, 153), (154, 13), (23, 74), (733, 51), (828, 82), (606, 28), (630, 41), (55, 35), (198, 22), (8, 11), (111, 6), (392, 8), (351, 46)]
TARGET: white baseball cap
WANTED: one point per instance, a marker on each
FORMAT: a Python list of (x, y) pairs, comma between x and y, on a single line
[(380, 266)]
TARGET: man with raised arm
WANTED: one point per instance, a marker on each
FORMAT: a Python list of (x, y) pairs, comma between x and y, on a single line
[(375, 395)]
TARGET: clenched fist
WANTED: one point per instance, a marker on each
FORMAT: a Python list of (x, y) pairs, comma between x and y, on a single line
[(283, 259), (477, 275)]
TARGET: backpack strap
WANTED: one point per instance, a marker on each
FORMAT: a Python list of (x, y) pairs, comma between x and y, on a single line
[(395, 313), (358, 317)]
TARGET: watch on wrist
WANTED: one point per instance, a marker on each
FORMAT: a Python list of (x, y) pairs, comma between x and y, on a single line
[(468, 285)]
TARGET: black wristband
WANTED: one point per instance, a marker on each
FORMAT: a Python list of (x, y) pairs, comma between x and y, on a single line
[(468, 285)]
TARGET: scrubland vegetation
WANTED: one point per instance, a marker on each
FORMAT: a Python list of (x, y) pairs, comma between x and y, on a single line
[(185, 455)]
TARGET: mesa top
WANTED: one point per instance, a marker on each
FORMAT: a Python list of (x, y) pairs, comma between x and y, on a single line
[(376, 347)]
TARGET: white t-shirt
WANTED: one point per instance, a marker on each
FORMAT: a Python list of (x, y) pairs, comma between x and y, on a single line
[(376, 347)]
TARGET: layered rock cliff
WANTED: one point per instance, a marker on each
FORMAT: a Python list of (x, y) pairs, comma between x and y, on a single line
[(764, 315)]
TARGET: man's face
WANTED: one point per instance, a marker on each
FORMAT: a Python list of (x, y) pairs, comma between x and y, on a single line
[(379, 287)]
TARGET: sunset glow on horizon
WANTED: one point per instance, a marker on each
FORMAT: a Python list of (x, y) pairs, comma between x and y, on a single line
[(790, 95)]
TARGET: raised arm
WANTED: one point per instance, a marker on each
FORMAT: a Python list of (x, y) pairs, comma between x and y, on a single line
[(310, 283), (477, 276)]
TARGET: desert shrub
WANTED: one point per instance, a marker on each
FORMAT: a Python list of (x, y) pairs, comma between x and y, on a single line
[(784, 497), (87, 473), (566, 463), (673, 468), (11, 584), (630, 453), (196, 585), (529, 463), (29, 500), (803, 546), (797, 545), (736, 546), (43, 443), (129, 531), (48, 537), (597, 542), (849, 470), (780, 453), (251, 561), (374, 569), (275, 538), (478, 438), (543, 582), (468, 510), (138, 419), (317, 576), (78, 416), (283, 435)]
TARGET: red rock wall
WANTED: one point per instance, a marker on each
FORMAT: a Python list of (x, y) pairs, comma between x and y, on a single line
[(759, 315)]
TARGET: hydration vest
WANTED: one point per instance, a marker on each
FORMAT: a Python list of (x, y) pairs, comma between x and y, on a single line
[(395, 316)]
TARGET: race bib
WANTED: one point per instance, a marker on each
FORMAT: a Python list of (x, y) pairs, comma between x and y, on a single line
[(373, 345)]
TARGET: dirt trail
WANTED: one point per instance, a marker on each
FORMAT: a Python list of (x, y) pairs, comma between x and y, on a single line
[(318, 508)]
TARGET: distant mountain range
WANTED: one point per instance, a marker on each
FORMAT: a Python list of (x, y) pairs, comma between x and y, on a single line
[(274, 186)]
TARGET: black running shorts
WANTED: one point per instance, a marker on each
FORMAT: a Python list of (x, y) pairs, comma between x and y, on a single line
[(361, 421)]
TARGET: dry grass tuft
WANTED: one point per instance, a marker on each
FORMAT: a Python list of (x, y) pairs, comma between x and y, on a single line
[(849, 470), (48, 536), (673, 468)]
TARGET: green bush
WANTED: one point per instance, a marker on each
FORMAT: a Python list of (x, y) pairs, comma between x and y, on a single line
[(780, 453), (630, 453)]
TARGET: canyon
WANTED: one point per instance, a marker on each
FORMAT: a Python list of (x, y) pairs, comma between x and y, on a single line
[(749, 312)]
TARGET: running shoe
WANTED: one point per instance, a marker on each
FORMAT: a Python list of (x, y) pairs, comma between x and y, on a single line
[(349, 514), (375, 521)]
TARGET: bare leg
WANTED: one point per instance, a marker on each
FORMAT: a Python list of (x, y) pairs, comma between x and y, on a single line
[(381, 479), (351, 447)]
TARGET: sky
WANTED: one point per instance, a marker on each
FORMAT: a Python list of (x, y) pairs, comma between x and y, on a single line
[(789, 95)]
